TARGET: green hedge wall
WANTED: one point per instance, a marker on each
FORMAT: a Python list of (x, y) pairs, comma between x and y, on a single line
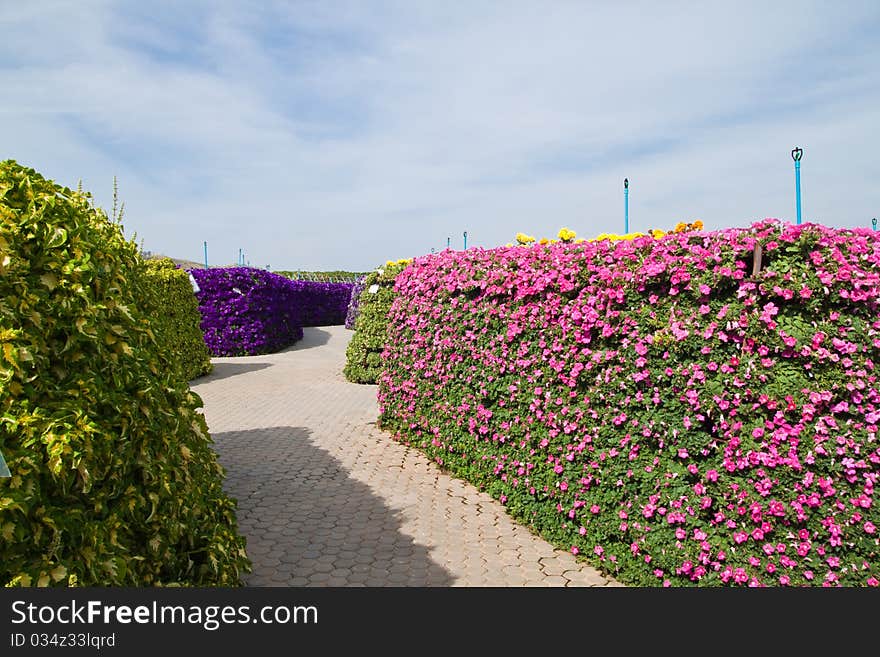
[(114, 482), (174, 313), (363, 356)]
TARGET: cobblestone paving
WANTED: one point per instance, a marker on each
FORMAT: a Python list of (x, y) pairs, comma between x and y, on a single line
[(326, 499)]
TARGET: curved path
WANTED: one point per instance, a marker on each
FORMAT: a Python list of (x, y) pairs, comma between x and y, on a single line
[(326, 499)]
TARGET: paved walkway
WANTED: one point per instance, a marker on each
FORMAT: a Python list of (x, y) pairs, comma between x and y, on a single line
[(326, 499)]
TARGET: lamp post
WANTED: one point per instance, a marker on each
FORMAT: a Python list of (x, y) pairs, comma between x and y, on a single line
[(625, 206), (448, 242), (874, 223), (465, 240), (206, 254), (796, 154)]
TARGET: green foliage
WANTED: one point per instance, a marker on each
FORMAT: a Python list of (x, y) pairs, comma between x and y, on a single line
[(336, 276), (174, 315), (363, 356), (114, 481)]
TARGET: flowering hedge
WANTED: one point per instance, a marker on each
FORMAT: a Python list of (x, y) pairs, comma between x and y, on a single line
[(652, 405), (247, 311), (354, 302), (322, 304)]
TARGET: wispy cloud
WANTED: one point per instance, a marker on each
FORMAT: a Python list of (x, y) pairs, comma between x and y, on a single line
[(336, 135)]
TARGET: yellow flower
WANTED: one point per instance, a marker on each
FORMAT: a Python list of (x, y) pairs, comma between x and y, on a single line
[(697, 225), (566, 235), (543, 240), (522, 238), (680, 227), (656, 233)]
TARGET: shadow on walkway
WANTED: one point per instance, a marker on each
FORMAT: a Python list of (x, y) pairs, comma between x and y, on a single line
[(225, 370), (313, 336), (308, 523)]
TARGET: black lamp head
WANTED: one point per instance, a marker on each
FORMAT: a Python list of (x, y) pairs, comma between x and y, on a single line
[(797, 154), (626, 183)]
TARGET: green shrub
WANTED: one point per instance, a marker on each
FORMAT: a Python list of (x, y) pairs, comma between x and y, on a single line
[(114, 481), (174, 315), (363, 356), (335, 276)]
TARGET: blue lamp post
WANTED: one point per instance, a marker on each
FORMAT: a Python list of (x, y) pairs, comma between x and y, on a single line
[(448, 242), (796, 155), (465, 240), (874, 223), (206, 254), (625, 206)]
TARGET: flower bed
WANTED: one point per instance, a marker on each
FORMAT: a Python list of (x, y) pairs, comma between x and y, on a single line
[(650, 404)]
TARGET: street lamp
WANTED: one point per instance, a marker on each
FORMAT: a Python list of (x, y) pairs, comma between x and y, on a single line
[(874, 223), (625, 206), (206, 254), (796, 154), (465, 240)]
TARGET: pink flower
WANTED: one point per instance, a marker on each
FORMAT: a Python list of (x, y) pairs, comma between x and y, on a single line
[(574, 549), (869, 527), (784, 580), (582, 530)]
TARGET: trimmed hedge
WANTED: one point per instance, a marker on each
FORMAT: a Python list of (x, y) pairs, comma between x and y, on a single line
[(651, 404), (322, 304), (247, 311), (174, 315), (114, 482), (363, 355)]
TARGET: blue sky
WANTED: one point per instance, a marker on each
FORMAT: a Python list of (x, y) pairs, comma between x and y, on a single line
[(337, 135)]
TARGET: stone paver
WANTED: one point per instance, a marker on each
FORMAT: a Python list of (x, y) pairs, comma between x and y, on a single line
[(327, 499)]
